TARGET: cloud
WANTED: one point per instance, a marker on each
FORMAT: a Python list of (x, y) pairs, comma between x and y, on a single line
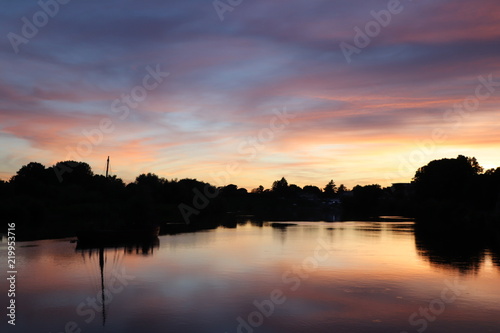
[(227, 77)]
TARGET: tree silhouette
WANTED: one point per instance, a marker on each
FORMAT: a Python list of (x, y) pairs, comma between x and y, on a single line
[(31, 173), (365, 201), (73, 172), (258, 190), (149, 180), (280, 186), (68, 194), (456, 192), (310, 189), (446, 179), (330, 189), (229, 190), (341, 189)]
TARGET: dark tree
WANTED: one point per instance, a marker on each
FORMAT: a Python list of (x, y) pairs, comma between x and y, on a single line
[(229, 190), (446, 179), (455, 192), (342, 189), (258, 190), (365, 200), (330, 189), (149, 180), (310, 189), (294, 189), (242, 191), (280, 186), (493, 172), (72, 172), (486, 189), (31, 173)]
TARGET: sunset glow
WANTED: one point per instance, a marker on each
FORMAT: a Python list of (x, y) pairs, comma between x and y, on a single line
[(168, 87)]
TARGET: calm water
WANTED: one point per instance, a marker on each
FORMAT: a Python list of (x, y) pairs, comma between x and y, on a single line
[(309, 277)]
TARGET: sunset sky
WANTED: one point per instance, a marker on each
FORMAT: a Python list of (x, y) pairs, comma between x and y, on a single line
[(397, 104)]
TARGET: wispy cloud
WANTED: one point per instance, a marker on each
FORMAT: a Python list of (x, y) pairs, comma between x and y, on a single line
[(352, 121)]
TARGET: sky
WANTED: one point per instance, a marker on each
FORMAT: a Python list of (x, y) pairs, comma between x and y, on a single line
[(249, 91)]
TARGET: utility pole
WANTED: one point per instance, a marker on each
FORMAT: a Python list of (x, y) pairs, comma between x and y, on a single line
[(107, 167)]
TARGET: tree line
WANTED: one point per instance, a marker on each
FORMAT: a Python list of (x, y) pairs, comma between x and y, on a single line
[(456, 190)]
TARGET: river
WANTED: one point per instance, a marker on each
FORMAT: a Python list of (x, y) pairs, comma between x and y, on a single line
[(262, 277)]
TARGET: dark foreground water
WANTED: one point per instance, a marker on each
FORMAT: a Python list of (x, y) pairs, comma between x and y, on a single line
[(309, 277)]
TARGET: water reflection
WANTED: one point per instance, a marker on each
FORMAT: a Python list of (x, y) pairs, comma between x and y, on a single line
[(281, 226), (457, 249), (143, 247), (95, 256), (373, 278), (402, 228)]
